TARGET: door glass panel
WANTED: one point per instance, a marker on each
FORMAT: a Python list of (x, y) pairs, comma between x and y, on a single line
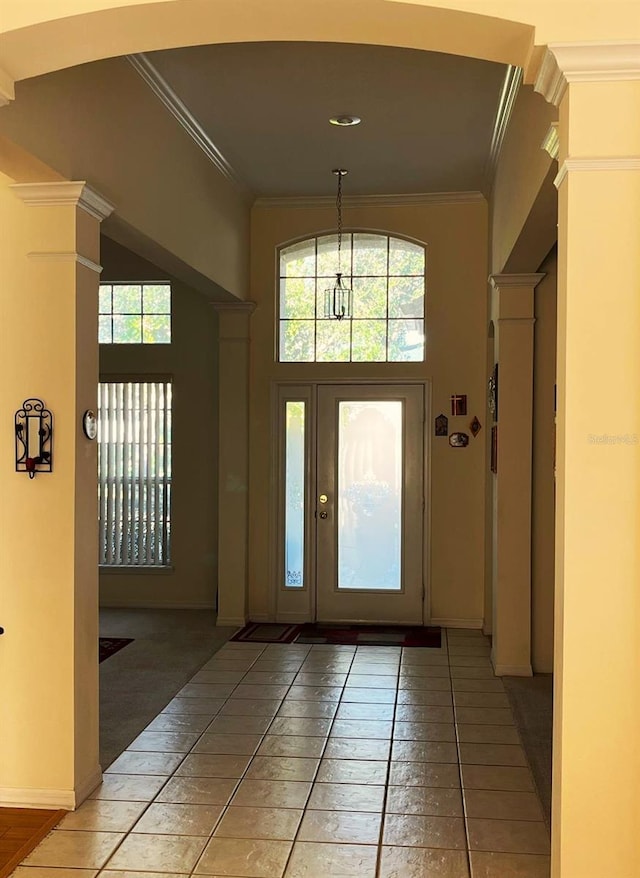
[(369, 496), (294, 495)]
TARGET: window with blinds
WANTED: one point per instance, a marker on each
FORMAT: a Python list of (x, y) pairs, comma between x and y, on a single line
[(134, 468)]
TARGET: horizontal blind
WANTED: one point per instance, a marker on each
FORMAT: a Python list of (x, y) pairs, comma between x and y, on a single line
[(134, 467)]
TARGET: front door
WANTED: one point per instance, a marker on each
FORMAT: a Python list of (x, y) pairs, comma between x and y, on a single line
[(369, 503)]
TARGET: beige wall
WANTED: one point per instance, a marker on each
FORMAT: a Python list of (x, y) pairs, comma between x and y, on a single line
[(543, 483), (522, 168), (191, 360), (86, 124), (456, 310)]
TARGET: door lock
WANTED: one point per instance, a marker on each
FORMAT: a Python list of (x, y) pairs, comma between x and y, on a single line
[(324, 514), (323, 498)]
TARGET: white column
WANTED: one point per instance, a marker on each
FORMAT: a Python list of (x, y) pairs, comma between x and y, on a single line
[(596, 770), (512, 315), (49, 252), (233, 461)]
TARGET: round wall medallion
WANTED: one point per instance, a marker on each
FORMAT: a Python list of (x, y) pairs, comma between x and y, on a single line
[(90, 424)]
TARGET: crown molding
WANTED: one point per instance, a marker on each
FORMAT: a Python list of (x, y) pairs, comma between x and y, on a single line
[(612, 163), (506, 103), (551, 142), (586, 62), (65, 256), (500, 281), (7, 88), (78, 193), (179, 110), (416, 198)]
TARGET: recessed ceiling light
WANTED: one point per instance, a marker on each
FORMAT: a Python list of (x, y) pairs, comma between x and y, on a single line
[(344, 121)]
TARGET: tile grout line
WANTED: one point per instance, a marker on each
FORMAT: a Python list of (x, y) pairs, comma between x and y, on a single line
[(226, 807), (154, 801), (383, 818), (305, 808), (462, 796)]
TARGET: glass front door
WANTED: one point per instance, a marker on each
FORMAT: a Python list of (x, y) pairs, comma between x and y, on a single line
[(368, 506)]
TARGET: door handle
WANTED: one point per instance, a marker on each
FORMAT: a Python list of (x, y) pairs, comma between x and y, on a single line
[(324, 514)]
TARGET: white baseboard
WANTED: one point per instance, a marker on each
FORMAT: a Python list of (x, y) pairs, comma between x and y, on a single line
[(512, 670), (231, 622), (260, 617), (50, 800), (88, 786), (458, 623), (133, 604)]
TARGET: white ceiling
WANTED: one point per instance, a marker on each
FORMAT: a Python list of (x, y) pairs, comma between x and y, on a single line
[(427, 118)]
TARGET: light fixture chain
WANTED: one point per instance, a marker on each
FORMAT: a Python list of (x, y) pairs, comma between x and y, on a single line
[(339, 209)]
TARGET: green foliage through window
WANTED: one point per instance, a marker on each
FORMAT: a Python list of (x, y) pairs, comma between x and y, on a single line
[(387, 276), (135, 313)]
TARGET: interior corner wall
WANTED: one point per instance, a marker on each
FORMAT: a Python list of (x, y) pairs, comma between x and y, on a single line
[(543, 480), (520, 173), (456, 330), (191, 360)]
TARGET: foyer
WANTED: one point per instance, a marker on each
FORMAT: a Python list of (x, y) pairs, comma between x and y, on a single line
[(301, 760)]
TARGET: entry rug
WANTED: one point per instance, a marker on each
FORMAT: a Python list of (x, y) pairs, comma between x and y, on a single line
[(370, 635), (347, 635), (264, 632), (107, 646)]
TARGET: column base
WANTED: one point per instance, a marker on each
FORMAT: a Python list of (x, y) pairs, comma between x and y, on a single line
[(231, 622), (50, 800), (511, 670)]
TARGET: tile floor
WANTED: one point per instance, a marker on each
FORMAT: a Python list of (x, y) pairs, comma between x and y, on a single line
[(312, 762)]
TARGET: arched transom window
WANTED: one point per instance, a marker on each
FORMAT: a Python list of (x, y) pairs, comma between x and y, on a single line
[(387, 277)]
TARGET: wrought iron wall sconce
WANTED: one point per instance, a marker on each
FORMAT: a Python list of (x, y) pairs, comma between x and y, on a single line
[(34, 438)]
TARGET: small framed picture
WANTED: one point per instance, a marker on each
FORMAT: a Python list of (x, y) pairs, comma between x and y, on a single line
[(458, 404), (459, 440), (442, 425)]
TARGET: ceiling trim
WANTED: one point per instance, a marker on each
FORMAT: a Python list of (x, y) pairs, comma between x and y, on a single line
[(510, 88), (586, 62), (415, 198), (179, 110), (551, 142)]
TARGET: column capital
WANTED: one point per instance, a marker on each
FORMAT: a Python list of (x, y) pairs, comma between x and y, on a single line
[(585, 62), (238, 307), (77, 193), (7, 89), (501, 281)]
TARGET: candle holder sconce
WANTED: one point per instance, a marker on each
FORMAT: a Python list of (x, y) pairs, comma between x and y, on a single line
[(34, 438)]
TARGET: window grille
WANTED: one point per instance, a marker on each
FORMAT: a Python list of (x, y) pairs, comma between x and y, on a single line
[(387, 276)]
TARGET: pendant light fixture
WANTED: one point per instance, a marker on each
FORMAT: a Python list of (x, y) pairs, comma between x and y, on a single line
[(337, 298)]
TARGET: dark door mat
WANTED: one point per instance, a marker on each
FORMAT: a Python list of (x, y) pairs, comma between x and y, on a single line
[(107, 646), (370, 635), (266, 632)]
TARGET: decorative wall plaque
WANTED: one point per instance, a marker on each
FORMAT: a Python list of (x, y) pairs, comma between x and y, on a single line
[(459, 440), (458, 404), (442, 425), (475, 426)]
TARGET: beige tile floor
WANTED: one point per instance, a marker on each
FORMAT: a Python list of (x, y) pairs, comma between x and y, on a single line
[(297, 761)]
